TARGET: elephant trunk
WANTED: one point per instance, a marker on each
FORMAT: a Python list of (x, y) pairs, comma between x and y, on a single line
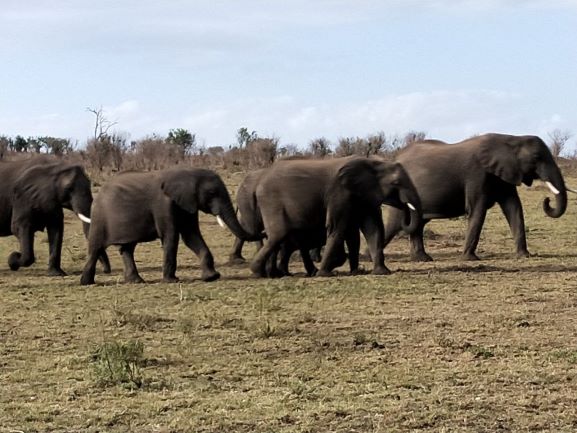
[(413, 214), (228, 216), (554, 181)]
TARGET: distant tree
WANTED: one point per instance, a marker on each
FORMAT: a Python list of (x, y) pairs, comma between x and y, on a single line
[(19, 144), (414, 136), (5, 144), (289, 150), (375, 143), (320, 147), (243, 137), (54, 145), (101, 124), (262, 151), (184, 141), (557, 141)]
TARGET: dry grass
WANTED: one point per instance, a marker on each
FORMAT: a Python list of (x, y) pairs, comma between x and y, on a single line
[(443, 346)]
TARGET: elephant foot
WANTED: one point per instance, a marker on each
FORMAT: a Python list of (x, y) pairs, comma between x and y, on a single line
[(14, 260), (470, 257), (325, 273), (312, 271), (210, 276), (236, 260), (421, 257), (358, 271), (523, 254), (170, 279), (86, 280), (275, 273), (56, 272), (133, 279), (381, 270)]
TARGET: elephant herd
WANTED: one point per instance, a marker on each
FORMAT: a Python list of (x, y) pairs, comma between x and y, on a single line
[(296, 204)]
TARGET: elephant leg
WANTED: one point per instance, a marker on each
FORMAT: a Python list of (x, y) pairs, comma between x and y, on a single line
[(104, 261), (373, 230), (418, 253), (284, 255), (334, 244), (272, 268), (170, 252), (235, 256), (513, 211), (394, 225), (55, 236), (90, 267), (193, 239), (26, 255), (353, 242), (130, 272), (315, 254), (475, 225), (308, 262), (259, 263)]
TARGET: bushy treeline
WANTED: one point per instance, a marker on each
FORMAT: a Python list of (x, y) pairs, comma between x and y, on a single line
[(113, 152), (108, 152)]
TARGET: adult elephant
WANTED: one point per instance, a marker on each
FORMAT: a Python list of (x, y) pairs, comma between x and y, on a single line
[(251, 220), (469, 177), (249, 217), (34, 192), (310, 199), (138, 207)]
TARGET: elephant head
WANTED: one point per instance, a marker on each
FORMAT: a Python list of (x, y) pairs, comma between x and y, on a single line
[(522, 159), (203, 190), (44, 187), (378, 182)]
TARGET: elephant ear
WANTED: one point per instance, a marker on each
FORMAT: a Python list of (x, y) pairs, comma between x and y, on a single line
[(500, 158), (180, 186), (360, 177), (66, 176), (36, 189)]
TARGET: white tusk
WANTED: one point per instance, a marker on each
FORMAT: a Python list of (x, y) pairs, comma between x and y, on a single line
[(552, 188), (410, 206), (84, 218), (574, 191), (220, 222)]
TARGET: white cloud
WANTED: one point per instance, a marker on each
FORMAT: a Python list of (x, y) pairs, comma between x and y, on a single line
[(446, 115)]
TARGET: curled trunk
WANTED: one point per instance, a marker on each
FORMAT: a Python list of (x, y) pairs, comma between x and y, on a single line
[(555, 178), (413, 214)]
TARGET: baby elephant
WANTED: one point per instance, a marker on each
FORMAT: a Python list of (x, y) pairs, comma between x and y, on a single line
[(138, 207)]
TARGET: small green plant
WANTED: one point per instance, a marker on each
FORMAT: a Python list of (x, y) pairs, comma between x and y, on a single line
[(118, 363), (266, 329)]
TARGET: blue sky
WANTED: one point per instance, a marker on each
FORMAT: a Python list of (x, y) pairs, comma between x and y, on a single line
[(295, 69)]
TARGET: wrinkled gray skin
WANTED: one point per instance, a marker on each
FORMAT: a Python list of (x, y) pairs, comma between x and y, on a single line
[(469, 177), (136, 207), (301, 200), (34, 192), (251, 220)]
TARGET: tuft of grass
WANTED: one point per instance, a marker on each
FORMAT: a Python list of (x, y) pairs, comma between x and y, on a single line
[(118, 363)]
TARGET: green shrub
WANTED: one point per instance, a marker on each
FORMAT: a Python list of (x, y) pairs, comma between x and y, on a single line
[(117, 363)]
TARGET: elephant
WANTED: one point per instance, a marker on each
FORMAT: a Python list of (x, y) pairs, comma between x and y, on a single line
[(316, 199), (138, 207), (251, 220), (34, 192), (250, 217), (469, 177)]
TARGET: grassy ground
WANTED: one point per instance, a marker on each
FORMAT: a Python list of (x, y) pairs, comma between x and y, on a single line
[(443, 346)]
